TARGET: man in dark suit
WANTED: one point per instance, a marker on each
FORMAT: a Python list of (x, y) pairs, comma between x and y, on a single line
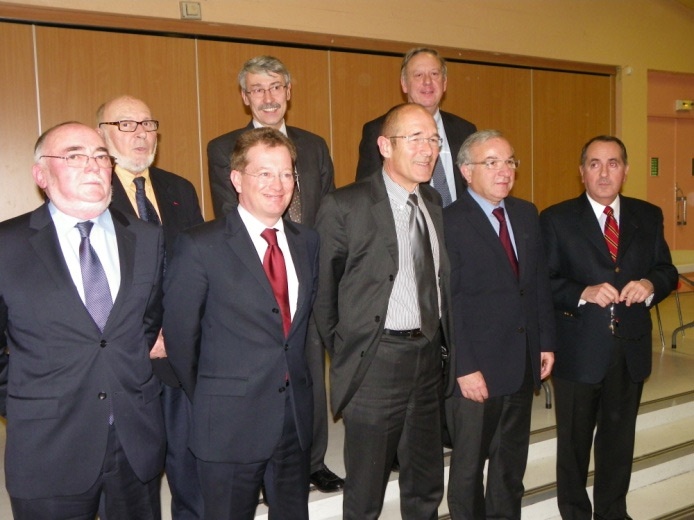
[(384, 341), (130, 133), (609, 264), (80, 307), (503, 330), (423, 79), (266, 88), (235, 337)]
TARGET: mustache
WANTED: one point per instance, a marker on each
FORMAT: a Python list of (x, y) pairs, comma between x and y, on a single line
[(270, 106)]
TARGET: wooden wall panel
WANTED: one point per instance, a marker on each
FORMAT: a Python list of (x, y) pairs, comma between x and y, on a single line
[(222, 109), (499, 98), (363, 87), (684, 176), (661, 189), (568, 109), (79, 69), (19, 121)]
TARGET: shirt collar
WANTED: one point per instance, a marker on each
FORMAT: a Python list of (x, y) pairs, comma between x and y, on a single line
[(255, 226)]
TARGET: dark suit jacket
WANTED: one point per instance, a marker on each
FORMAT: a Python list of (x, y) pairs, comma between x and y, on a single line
[(358, 263), (179, 209), (497, 317), (57, 424), (313, 164), (457, 130), (225, 339), (578, 257)]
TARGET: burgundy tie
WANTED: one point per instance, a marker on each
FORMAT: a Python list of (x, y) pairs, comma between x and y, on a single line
[(506, 239), (611, 232), (276, 271)]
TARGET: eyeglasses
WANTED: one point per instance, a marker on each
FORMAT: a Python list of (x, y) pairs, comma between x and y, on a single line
[(274, 90), (80, 160), (418, 141), (265, 178), (148, 125), (499, 164)]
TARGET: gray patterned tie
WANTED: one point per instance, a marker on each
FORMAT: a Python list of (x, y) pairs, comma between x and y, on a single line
[(97, 295), (440, 182), (144, 206), (295, 204), (424, 270)]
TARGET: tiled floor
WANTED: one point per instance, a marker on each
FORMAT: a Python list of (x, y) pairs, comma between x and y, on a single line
[(673, 373)]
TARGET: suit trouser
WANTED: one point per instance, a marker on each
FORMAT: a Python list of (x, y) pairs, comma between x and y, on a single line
[(231, 491), (125, 497), (612, 405), (396, 409), (315, 358), (181, 466), (498, 430)]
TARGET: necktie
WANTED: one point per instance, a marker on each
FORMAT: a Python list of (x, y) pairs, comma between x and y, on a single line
[(97, 295), (441, 184), (611, 232), (276, 271), (145, 208), (506, 239), (424, 270), (295, 204)]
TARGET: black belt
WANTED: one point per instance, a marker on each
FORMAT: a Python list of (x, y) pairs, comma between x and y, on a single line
[(411, 333)]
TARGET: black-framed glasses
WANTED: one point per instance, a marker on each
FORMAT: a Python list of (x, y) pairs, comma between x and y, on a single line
[(274, 90), (80, 160), (498, 164), (418, 141), (126, 125)]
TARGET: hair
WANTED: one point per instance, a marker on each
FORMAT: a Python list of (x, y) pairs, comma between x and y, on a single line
[(481, 136), (604, 139), (265, 136), (419, 50), (41, 141), (263, 65)]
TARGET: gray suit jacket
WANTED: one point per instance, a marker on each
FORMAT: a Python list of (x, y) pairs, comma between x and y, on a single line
[(61, 365), (358, 263), (225, 340)]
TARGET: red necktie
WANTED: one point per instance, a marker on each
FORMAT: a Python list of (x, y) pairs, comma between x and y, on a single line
[(276, 271), (506, 239), (611, 233)]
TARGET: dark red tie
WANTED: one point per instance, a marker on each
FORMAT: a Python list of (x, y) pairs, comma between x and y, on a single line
[(506, 239), (611, 232), (276, 271)]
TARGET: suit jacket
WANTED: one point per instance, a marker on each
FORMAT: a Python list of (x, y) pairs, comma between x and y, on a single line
[(179, 209), (578, 257), (498, 318), (313, 165), (226, 343), (358, 263), (457, 130), (61, 364)]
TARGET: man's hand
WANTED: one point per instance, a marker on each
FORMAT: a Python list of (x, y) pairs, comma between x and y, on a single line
[(603, 294), (158, 350), (636, 291), (546, 364), (474, 387)]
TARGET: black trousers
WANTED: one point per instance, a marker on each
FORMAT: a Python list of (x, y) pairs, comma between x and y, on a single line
[(612, 405), (125, 497), (315, 358), (396, 410), (498, 430)]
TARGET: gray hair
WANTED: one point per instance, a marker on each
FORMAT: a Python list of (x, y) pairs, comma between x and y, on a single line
[(263, 65), (477, 138)]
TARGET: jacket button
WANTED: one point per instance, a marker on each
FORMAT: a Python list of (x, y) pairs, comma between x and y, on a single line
[(391, 278), (282, 389), (103, 343), (521, 330), (522, 292), (617, 269), (102, 395), (275, 310), (286, 347), (377, 319)]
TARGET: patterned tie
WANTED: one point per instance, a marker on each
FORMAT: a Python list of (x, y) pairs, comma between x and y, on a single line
[(506, 239), (611, 233), (276, 271), (97, 295), (295, 204), (424, 270), (440, 182), (145, 208)]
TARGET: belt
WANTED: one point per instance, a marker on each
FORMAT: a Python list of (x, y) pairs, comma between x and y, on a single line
[(411, 333)]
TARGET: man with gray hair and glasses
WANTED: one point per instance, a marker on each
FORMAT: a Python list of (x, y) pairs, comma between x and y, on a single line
[(266, 87)]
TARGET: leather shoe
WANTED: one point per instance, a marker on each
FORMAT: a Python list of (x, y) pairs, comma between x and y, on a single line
[(326, 481)]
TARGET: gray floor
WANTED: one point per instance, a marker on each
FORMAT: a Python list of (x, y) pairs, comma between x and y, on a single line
[(673, 373)]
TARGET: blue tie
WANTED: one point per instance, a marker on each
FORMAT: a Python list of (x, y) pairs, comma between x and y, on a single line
[(97, 295)]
